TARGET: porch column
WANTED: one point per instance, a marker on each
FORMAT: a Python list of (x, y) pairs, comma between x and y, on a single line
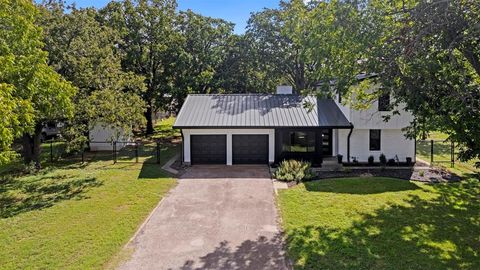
[(229, 148)]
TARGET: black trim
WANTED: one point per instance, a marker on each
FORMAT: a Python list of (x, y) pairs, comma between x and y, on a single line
[(348, 143), (379, 140)]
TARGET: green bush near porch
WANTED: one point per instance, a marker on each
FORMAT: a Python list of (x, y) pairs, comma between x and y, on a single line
[(294, 170)]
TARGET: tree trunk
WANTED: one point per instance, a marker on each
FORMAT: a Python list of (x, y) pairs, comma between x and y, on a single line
[(148, 116), (31, 146), (27, 148)]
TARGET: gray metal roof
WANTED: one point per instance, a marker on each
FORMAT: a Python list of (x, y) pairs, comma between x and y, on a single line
[(257, 111)]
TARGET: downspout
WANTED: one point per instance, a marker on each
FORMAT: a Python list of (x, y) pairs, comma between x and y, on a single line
[(415, 147), (348, 142)]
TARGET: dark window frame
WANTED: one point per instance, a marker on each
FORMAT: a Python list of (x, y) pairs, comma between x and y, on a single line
[(373, 145), (384, 103), (292, 136)]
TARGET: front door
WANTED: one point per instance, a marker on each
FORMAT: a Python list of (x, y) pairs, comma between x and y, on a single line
[(326, 140)]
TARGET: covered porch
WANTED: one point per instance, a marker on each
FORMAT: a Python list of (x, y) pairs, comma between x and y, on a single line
[(309, 144)]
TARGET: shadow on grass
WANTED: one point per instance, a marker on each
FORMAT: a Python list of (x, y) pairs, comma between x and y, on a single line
[(439, 233), (150, 171), (19, 195), (262, 253), (360, 186)]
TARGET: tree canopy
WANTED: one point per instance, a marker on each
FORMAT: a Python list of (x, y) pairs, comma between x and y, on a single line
[(133, 58), (32, 92)]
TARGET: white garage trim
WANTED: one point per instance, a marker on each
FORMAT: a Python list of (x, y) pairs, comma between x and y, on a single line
[(229, 133)]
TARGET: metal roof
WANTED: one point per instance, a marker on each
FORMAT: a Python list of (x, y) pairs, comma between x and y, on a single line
[(258, 111)]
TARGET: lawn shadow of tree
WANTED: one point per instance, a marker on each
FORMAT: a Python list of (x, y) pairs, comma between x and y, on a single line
[(439, 233), (20, 195), (360, 186), (262, 253)]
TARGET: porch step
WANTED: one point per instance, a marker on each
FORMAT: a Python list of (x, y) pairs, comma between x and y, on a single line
[(330, 164)]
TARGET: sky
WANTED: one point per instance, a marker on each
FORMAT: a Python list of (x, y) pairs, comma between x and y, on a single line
[(236, 11)]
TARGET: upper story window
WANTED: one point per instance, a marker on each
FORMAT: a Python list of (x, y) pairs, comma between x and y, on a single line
[(375, 135), (384, 103)]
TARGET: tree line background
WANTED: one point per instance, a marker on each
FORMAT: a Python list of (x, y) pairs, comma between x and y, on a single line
[(119, 64)]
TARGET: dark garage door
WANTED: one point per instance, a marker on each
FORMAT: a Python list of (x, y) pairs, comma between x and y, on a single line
[(250, 149), (208, 149)]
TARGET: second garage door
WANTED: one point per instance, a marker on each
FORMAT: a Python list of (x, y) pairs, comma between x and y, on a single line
[(250, 149), (209, 149)]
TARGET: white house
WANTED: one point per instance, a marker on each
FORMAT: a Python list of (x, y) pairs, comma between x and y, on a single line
[(102, 136), (258, 128)]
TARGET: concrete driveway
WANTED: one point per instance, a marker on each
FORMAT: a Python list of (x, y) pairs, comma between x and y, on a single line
[(218, 217)]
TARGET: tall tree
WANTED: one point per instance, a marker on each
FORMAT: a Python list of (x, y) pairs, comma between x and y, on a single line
[(203, 48), (149, 44), (428, 53), (85, 52), (33, 91)]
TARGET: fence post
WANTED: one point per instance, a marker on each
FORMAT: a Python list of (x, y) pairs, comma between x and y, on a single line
[(114, 152), (51, 150), (136, 151), (452, 154), (431, 152), (158, 152)]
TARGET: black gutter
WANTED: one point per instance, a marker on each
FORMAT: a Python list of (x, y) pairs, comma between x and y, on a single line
[(348, 142)]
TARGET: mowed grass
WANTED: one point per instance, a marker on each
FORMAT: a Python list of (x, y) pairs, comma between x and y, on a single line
[(76, 216), (442, 154), (382, 223)]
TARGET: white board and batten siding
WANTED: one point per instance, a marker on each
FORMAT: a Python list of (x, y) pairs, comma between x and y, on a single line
[(228, 132), (392, 138)]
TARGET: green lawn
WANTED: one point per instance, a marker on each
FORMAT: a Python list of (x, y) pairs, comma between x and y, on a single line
[(74, 216), (382, 223)]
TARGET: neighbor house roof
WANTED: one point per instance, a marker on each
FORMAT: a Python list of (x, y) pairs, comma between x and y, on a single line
[(257, 111)]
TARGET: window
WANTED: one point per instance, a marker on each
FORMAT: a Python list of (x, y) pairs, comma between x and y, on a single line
[(375, 139), (299, 141), (384, 103)]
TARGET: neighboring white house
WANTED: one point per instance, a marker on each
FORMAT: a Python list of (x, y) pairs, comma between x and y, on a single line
[(257, 128), (102, 136)]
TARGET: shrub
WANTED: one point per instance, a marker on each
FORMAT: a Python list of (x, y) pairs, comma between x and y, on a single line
[(383, 159), (370, 160), (294, 170), (391, 162), (409, 161)]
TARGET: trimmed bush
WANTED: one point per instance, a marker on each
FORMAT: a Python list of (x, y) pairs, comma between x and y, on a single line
[(391, 162), (409, 161), (371, 159), (294, 170), (383, 159)]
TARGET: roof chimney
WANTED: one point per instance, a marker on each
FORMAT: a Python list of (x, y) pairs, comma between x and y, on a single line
[(284, 90)]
